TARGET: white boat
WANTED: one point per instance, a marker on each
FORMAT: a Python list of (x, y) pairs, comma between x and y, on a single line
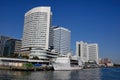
[(67, 63)]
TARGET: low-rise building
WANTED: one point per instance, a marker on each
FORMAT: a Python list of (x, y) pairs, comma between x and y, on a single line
[(12, 47), (39, 54), (3, 40)]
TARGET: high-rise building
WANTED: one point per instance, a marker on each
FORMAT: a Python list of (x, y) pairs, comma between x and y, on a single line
[(3, 40), (87, 52), (12, 46), (36, 28), (37, 35), (62, 40)]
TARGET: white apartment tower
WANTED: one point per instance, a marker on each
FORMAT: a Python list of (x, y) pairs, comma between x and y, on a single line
[(87, 52), (36, 28), (62, 40), (93, 52)]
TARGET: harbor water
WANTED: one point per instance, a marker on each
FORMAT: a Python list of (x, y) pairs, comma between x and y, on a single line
[(84, 74)]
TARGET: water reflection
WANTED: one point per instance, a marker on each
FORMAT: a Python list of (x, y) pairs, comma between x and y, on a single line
[(87, 74), (62, 75)]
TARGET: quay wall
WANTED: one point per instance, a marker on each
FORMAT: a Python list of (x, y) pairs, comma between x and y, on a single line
[(24, 65)]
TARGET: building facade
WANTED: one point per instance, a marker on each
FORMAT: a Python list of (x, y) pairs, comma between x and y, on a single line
[(3, 40), (87, 52), (62, 40), (36, 28), (12, 46)]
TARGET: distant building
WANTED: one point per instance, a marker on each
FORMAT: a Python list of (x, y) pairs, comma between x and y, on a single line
[(81, 51), (108, 62), (12, 46), (93, 52), (3, 40), (62, 40), (87, 52)]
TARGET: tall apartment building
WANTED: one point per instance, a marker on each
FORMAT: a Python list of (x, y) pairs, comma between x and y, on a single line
[(87, 52), (93, 52), (62, 40), (3, 40), (81, 50), (36, 28)]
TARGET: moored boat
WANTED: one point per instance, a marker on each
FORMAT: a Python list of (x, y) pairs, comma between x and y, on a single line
[(66, 62)]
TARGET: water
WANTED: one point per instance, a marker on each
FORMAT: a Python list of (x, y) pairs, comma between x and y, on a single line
[(86, 74)]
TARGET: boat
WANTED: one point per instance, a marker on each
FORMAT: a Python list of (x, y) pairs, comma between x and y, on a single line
[(66, 62)]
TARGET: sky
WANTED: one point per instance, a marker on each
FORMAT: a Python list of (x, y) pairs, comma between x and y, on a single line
[(92, 21)]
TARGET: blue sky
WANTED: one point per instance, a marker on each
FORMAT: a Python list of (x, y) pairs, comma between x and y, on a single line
[(92, 21)]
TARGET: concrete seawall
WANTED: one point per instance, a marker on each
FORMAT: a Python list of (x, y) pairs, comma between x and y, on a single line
[(24, 64), (26, 68)]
